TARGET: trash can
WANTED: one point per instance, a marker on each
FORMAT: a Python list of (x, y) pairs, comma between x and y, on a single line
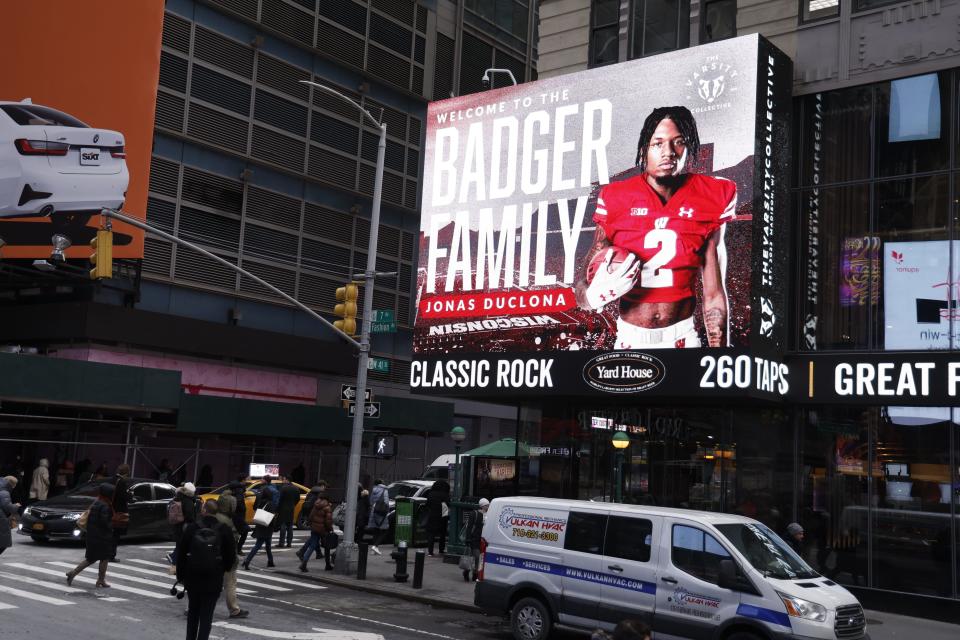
[(403, 525), (420, 524)]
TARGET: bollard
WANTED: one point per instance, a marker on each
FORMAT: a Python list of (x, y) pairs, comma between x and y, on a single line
[(362, 549), (418, 560), (400, 555)]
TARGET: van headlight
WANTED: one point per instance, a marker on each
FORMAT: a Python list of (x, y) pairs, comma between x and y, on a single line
[(800, 608)]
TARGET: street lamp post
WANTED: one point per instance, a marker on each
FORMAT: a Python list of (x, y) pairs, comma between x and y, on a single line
[(620, 442), (347, 550), (458, 435)]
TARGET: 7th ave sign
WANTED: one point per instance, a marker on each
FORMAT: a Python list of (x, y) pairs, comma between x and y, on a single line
[(370, 409)]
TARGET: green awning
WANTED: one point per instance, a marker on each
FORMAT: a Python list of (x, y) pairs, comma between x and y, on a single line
[(504, 448)]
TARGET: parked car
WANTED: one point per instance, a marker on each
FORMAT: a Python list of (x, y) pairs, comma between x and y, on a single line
[(254, 486), (57, 517), (52, 162)]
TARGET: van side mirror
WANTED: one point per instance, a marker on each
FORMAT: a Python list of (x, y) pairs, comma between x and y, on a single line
[(728, 575)]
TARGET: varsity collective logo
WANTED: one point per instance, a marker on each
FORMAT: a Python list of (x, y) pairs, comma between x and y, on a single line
[(713, 82), (623, 372)]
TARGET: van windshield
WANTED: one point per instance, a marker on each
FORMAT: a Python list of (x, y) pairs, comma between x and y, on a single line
[(766, 551)]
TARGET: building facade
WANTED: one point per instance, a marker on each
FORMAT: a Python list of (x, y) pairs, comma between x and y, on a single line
[(873, 478), (276, 177)]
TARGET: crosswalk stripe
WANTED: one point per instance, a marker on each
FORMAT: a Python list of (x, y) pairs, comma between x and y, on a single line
[(113, 573), (246, 581), (29, 595), (85, 580), (263, 575), (41, 583), (4, 605), (164, 574)]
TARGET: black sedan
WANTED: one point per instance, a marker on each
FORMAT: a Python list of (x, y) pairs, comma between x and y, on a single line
[(57, 517)]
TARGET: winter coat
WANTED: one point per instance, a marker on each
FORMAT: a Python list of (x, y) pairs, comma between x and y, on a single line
[(363, 510), (438, 495), (321, 516), (473, 526), (7, 509), (239, 513), (121, 494), (99, 536), (40, 485), (289, 497), (264, 501), (189, 507), (310, 499), (227, 504), (210, 581), (378, 521)]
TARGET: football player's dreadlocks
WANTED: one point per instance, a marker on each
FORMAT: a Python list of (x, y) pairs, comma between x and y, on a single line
[(681, 117)]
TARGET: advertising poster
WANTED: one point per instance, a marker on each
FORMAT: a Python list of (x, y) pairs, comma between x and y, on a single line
[(619, 230), (77, 112), (860, 270)]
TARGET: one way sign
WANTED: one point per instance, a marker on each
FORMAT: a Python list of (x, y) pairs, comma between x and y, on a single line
[(370, 409), (348, 392)]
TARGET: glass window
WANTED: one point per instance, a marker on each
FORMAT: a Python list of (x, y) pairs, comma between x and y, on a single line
[(912, 125), (142, 491), (585, 532), (819, 9), (628, 538), (719, 21), (836, 136), (604, 35), (697, 552), (32, 114), (766, 551), (163, 493), (658, 26)]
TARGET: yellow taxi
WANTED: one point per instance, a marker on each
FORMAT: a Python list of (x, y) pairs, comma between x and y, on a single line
[(254, 486)]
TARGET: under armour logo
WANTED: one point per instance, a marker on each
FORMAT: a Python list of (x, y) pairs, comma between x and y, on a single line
[(638, 211), (661, 223), (686, 213)]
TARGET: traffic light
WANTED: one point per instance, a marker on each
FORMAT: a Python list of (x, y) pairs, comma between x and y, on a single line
[(347, 309), (102, 256)]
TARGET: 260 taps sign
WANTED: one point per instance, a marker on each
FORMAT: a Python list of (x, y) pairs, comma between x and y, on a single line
[(591, 233)]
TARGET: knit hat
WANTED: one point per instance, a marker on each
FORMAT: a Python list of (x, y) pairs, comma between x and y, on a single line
[(793, 528), (483, 502), (189, 489), (11, 480)]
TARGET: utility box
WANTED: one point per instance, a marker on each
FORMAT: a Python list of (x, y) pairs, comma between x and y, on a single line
[(403, 524), (411, 523)]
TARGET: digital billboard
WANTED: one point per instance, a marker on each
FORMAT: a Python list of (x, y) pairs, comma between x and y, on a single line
[(78, 92), (619, 230)]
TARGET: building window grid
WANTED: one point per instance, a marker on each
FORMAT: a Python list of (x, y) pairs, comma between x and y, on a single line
[(818, 10), (604, 47), (637, 36)]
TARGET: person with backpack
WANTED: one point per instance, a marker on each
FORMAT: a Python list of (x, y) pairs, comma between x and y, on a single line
[(121, 505), (205, 553), (99, 538), (289, 497), (263, 534), (378, 524), (181, 511), (321, 532)]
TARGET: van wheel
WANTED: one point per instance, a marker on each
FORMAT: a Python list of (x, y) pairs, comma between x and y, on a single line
[(530, 620)]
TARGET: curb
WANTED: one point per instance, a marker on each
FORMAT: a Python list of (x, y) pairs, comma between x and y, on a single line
[(361, 585)]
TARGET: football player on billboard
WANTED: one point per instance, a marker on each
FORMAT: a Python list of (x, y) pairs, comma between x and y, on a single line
[(656, 232)]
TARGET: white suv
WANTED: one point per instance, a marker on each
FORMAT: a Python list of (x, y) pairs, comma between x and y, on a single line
[(52, 162)]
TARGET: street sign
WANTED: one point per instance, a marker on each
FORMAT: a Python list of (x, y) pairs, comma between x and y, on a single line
[(383, 315), (370, 409), (383, 327), (380, 365), (349, 392)]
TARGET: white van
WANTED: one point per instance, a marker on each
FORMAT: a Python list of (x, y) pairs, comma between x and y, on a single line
[(689, 574)]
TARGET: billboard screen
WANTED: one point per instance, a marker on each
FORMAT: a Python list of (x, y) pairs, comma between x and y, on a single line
[(601, 231), (92, 99)]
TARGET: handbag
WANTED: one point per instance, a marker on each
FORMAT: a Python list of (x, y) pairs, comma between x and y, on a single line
[(263, 517), (466, 563), (13, 521), (82, 520), (120, 520)]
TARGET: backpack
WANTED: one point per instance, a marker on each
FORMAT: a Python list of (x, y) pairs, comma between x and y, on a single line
[(174, 512), (204, 555), (381, 507)]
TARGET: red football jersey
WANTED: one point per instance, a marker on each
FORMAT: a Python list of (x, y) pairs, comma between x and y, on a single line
[(668, 238)]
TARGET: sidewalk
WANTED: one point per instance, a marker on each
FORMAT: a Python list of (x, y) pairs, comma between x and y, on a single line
[(443, 584)]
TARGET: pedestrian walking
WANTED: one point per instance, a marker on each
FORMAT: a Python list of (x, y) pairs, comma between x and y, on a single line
[(121, 499), (311, 499), (473, 526), (64, 478), (263, 534), (99, 538), (289, 497), (363, 512), (181, 512), (40, 483), (378, 523), (237, 491), (437, 503), (8, 511), (205, 553), (795, 535), (229, 577), (321, 532)]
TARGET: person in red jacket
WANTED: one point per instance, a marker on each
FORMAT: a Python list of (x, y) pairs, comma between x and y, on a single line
[(670, 224), (321, 531)]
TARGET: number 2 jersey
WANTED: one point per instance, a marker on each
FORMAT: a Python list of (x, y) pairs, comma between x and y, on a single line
[(668, 238)]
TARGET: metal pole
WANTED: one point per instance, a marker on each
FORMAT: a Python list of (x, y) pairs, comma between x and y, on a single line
[(126, 448), (346, 563), (618, 490)]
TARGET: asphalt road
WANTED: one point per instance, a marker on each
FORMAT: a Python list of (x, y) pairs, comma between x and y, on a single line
[(35, 602)]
